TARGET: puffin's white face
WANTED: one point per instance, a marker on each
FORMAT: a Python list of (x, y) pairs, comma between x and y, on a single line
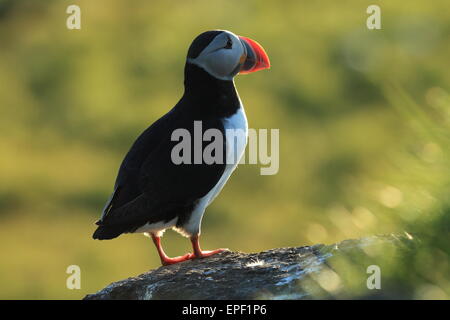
[(223, 57)]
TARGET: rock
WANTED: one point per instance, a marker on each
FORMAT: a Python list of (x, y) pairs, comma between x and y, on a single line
[(284, 273)]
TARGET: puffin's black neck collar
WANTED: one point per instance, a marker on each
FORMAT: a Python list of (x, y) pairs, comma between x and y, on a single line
[(208, 95)]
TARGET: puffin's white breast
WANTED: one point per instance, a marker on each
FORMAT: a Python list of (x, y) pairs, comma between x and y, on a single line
[(236, 131)]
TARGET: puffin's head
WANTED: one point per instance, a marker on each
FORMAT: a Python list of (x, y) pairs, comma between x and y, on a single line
[(223, 54)]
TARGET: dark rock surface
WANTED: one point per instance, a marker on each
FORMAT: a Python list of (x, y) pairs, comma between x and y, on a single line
[(284, 273)]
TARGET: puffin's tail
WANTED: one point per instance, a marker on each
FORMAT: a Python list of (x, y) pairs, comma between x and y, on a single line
[(107, 232)]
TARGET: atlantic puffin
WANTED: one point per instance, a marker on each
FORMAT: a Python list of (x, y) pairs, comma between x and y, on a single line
[(151, 192)]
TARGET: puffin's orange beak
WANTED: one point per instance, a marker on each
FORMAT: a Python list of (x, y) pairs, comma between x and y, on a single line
[(255, 58)]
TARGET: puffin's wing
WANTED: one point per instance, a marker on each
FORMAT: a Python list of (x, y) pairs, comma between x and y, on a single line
[(158, 189), (127, 183)]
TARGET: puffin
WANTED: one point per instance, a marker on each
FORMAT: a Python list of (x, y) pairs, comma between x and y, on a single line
[(152, 192)]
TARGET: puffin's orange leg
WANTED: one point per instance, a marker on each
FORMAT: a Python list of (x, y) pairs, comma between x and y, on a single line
[(165, 260), (198, 253)]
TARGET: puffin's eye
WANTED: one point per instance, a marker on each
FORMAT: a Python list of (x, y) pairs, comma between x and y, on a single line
[(229, 44)]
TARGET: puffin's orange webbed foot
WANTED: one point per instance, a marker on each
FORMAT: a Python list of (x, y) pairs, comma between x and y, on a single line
[(199, 253), (203, 254), (165, 260)]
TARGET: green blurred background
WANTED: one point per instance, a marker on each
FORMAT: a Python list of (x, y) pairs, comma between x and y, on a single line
[(364, 119)]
